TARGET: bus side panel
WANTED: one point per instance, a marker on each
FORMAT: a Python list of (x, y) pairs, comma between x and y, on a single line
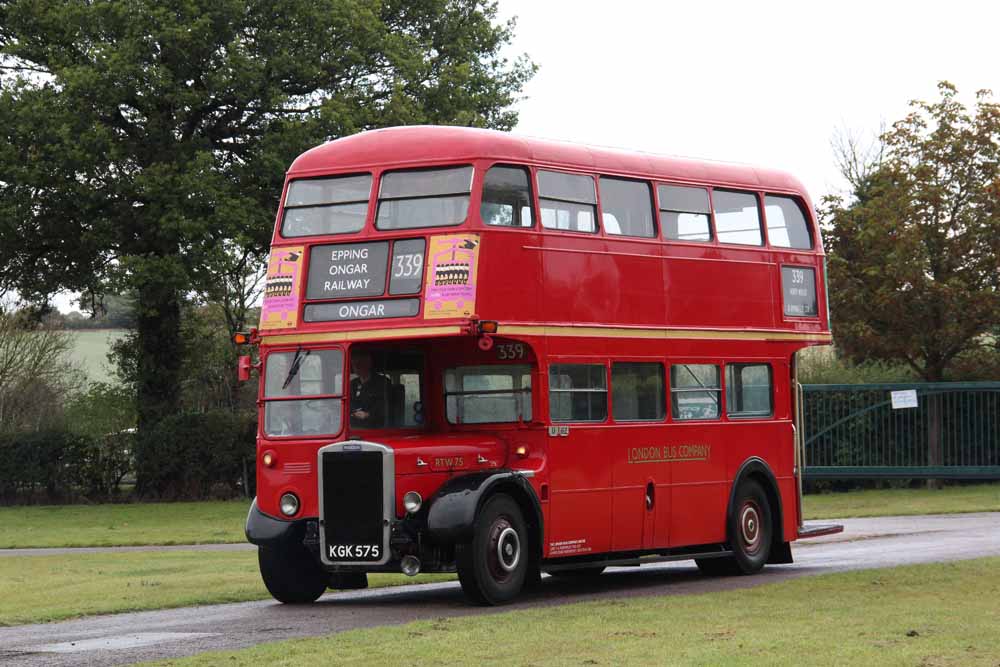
[(509, 275), (698, 483), (704, 290)]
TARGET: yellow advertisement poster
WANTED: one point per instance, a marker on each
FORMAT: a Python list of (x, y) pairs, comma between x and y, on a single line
[(450, 283), (280, 309)]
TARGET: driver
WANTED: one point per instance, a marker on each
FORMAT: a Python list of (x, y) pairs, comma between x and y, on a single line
[(369, 392)]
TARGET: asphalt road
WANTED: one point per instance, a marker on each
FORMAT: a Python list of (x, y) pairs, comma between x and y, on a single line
[(127, 638)]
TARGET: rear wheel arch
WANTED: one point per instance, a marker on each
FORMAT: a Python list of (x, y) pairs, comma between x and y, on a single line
[(756, 468)]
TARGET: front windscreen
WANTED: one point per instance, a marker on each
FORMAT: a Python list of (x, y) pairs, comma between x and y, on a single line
[(485, 394), (302, 393), (424, 198), (320, 206)]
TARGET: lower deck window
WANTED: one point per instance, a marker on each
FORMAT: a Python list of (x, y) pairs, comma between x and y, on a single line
[(748, 390), (578, 392), (488, 394), (695, 391)]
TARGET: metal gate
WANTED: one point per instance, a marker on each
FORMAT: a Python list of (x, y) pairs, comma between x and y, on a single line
[(945, 430)]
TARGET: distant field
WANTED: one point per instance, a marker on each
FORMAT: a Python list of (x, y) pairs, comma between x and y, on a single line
[(90, 351)]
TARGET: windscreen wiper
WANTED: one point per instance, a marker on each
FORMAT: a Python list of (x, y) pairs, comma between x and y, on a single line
[(293, 370)]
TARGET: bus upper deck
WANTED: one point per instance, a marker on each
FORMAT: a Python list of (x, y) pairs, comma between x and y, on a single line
[(416, 231)]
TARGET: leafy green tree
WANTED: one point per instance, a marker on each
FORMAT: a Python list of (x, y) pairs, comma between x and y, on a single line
[(914, 255), (144, 142)]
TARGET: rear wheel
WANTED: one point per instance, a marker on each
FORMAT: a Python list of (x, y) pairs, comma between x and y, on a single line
[(493, 566), (750, 530), (291, 574)]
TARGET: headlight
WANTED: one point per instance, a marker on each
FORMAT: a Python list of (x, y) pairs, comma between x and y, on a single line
[(412, 502), (289, 504)]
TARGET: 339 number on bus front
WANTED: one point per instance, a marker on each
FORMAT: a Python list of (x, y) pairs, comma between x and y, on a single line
[(510, 351)]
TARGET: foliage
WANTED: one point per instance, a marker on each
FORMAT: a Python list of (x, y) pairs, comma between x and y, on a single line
[(144, 143), (914, 256), (35, 373), (196, 455), (106, 414), (824, 365), (49, 461), (209, 365)]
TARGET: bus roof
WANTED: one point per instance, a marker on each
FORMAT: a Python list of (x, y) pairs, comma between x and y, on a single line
[(400, 146)]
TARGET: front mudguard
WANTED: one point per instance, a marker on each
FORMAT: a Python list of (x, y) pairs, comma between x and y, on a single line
[(265, 530), (451, 513)]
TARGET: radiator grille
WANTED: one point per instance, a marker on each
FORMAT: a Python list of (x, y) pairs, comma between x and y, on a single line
[(353, 510)]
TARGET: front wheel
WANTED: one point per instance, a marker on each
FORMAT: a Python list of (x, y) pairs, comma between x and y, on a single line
[(492, 567), (291, 574)]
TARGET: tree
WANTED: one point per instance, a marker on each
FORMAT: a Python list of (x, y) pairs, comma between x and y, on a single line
[(145, 141), (914, 256)]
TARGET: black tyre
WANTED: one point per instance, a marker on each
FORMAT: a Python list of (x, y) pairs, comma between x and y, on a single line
[(750, 530), (579, 574), (493, 566), (291, 574)]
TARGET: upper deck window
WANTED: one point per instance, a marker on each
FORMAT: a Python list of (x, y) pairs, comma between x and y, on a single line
[(424, 198), (506, 197), (684, 213), (627, 207), (786, 225), (567, 201), (318, 206), (737, 217)]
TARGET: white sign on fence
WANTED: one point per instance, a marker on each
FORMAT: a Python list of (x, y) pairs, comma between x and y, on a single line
[(904, 399)]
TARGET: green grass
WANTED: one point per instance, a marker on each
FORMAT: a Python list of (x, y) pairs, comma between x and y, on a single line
[(38, 589), (90, 351), (123, 525), (941, 614), (898, 502), (215, 522)]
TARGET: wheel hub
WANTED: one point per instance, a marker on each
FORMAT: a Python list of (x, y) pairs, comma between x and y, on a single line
[(508, 549), (750, 527)]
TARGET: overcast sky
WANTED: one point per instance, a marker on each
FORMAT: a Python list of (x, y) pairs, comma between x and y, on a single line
[(765, 83)]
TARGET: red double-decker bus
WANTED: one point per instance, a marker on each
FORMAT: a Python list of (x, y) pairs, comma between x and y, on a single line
[(502, 356)]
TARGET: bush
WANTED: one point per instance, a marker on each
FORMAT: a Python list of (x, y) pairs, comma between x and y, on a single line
[(53, 462), (195, 455)]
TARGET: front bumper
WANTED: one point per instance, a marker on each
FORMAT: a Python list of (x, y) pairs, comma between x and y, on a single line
[(406, 539)]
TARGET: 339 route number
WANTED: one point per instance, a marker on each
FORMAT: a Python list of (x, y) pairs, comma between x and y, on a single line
[(510, 351), (353, 551)]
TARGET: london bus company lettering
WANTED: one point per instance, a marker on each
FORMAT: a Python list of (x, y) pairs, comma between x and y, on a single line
[(658, 454), (468, 372)]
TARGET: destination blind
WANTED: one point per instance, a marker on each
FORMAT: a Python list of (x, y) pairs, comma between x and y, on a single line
[(347, 270)]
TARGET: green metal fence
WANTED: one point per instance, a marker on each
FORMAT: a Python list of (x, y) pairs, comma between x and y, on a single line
[(855, 432)]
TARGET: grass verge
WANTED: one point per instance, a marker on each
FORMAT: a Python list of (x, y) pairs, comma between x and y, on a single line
[(210, 522), (940, 614), (38, 589), (216, 522), (900, 502)]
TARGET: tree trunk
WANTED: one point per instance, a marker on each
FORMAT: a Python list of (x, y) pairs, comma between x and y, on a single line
[(160, 356)]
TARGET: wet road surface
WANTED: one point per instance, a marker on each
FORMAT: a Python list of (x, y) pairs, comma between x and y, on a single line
[(127, 638)]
